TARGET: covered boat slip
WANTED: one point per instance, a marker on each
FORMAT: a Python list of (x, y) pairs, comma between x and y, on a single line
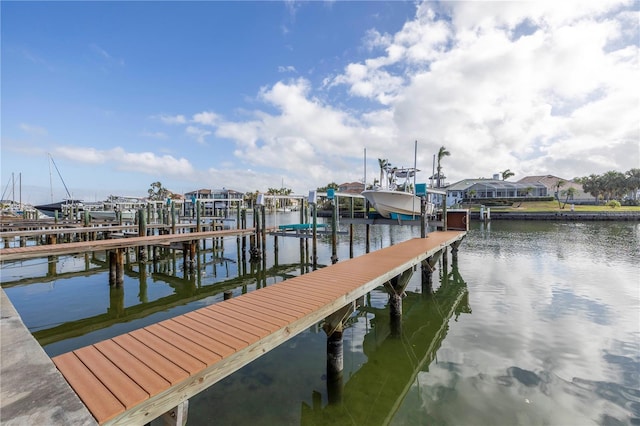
[(137, 377)]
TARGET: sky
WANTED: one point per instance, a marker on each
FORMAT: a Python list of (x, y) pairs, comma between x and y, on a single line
[(256, 95)]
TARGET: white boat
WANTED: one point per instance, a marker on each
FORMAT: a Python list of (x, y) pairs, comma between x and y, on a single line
[(397, 201), (108, 210)]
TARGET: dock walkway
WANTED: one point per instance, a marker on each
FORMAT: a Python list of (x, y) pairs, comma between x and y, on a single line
[(30, 252), (135, 377)]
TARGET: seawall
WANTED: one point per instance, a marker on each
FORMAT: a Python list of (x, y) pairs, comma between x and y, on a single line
[(562, 216)]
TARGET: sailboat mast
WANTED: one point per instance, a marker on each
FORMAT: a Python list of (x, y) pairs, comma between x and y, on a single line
[(50, 178)]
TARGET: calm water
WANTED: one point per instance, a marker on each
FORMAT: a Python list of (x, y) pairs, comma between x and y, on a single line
[(538, 323)]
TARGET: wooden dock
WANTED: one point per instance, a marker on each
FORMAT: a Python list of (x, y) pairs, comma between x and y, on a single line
[(136, 377), (30, 252)]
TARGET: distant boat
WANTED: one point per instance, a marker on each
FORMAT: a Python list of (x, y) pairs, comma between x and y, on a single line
[(108, 210), (60, 206)]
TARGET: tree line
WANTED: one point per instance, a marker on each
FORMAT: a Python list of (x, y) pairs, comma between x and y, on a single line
[(612, 185)]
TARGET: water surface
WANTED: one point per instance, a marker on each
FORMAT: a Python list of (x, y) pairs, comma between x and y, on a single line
[(537, 323)]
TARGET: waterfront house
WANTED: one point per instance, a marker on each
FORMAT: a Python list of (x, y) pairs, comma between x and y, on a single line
[(483, 189), (213, 199), (351, 188), (551, 183)]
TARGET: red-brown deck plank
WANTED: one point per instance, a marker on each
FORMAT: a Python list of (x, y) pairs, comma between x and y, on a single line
[(232, 342), (239, 338), (264, 308), (168, 350), (128, 392), (169, 370), (163, 331), (200, 338), (98, 399), (241, 312), (256, 330), (144, 376)]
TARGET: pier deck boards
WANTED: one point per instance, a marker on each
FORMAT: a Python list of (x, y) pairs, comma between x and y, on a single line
[(30, 252), (138, 376)]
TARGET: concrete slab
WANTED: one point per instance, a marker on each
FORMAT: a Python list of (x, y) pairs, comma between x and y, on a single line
[(32, 390)]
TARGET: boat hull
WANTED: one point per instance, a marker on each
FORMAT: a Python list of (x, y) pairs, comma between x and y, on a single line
[(109, 215), (395, 203)]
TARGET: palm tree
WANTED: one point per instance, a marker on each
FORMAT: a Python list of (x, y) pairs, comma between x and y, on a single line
[(383, 163), (507, 174), (559, 183), (633, 182), (569, 193), (442, 152)]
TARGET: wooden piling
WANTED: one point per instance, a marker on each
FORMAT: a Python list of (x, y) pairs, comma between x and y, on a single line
[(120, 267), (314, 246), (334, 231), (335, 367), (112, 267)]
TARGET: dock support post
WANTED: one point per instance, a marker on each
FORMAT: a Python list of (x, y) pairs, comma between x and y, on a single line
[(395, 314), (423, 217), (335, 366), (314, 248), (395, 288), (177, 416), (454, 251), (120, 267), (351, 240), (173, 218), (275, 249), (367, 238), (142, 232), (334, 231), (333, 326), (112, 267), (444, 213), (52, 261), (263, 232), (198, 224)]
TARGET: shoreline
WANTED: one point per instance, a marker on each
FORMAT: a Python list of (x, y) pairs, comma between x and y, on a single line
[(566, 216)]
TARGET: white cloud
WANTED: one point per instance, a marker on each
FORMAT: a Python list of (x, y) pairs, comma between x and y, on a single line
[(529, 86), (206, 118), (118, 158), (288, 68), (172, 119), (155, 135), (198, 133), (33, 130)]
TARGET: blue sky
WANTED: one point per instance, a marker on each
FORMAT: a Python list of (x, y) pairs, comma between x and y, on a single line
[(251, 95)]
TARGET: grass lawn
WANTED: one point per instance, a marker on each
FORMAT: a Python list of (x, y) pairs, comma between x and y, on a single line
[(552, 206)]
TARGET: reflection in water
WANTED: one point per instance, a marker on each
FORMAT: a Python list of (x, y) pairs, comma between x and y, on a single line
[(373, 393), (103, 317)]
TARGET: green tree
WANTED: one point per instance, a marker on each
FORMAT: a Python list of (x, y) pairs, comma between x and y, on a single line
[(559, 183), (442, 152), (157, 192), (507, 174), (384, 164), (569, 193), (613, 184), (331, 185), (633, 182), (592, 185)]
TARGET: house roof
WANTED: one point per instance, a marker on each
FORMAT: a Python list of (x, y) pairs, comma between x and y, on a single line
[(465, 184)]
